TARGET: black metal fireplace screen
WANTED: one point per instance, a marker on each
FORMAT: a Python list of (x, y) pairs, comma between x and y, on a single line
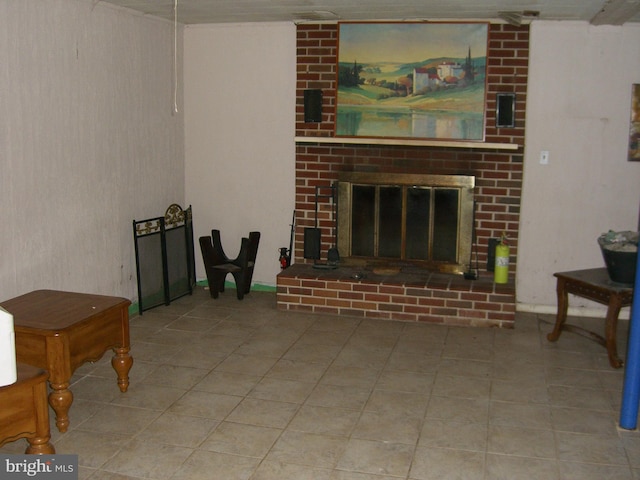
[(425, 219), (165, 264)]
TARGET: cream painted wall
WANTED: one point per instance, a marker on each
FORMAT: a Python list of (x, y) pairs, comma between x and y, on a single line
[(578, 108), (88, 142), (240, 127)]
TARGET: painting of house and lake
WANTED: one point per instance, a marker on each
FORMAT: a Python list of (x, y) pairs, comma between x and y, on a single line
[(413, 80)]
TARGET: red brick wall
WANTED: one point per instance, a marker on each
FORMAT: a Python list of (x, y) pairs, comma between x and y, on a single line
[(498, 172)]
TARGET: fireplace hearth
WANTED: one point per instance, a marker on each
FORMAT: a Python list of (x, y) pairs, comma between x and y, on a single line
[(404, 293)]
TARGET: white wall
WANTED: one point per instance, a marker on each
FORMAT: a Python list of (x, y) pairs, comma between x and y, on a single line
[(88, 142), (240, 127), (578, 108)]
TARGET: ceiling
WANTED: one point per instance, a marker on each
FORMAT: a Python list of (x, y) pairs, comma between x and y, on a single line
[(616, 12)]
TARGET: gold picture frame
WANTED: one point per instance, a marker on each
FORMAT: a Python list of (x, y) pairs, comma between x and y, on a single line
[(424, 80), (634, 128)]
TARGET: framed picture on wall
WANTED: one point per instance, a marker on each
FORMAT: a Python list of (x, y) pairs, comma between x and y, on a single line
[(424, 80), (634, 129)]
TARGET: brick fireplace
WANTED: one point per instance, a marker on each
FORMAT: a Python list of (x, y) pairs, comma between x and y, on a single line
[(406, 291)]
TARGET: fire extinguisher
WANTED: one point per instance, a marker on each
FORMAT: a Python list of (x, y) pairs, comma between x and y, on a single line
[(284, 258), (501, 270)]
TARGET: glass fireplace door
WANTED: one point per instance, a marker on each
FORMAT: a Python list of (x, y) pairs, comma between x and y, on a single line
[(413, 223)]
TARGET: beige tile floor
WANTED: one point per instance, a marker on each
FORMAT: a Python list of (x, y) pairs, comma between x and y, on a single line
[(227, 389)]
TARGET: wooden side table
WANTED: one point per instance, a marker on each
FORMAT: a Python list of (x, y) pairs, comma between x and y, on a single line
[(59, 331), (593, 284), (24, 412)]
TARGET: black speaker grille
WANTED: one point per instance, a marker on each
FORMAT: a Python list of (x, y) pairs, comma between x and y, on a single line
[(313, 106), (312, 243)]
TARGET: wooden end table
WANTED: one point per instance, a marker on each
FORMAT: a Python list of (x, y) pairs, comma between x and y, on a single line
[(593, 284), (24, 412), (59, 331)]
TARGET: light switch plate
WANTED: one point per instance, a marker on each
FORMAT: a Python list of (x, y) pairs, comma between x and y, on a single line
[(544, 157)]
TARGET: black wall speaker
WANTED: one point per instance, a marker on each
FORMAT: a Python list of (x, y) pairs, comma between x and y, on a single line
[(505, 110), (491, 254), (312, 243), (313, 106)]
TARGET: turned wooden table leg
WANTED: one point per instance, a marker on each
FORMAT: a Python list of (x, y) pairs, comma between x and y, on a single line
[(610, 331), (60, 400), (561, 315), (40, 444), (122, 363)]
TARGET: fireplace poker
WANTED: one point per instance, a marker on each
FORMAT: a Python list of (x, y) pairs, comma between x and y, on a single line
[(285, 255)]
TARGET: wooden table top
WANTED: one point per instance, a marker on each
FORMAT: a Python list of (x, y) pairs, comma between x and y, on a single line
[(51, 310), (594, 276)]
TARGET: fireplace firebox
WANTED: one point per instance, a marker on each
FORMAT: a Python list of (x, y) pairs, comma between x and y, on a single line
[(425, 220)]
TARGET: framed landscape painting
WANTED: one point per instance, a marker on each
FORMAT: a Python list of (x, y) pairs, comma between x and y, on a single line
[(414, 80), (634, 129)]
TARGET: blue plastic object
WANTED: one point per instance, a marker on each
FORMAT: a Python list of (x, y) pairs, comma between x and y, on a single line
[(631, 388)]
